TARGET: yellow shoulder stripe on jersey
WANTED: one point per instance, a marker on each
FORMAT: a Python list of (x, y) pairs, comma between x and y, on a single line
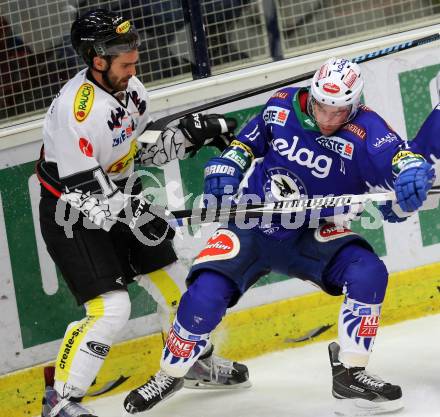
[(123, 163), (83, 101)]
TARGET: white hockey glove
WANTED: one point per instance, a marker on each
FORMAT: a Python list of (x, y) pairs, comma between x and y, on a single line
[(170, 145), (141, 217), (102, 212)]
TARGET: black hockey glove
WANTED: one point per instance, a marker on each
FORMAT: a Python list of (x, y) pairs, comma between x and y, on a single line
[(149, 220), (209, 129)]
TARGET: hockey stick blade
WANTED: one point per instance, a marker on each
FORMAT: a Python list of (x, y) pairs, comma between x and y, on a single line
[(156, 128)]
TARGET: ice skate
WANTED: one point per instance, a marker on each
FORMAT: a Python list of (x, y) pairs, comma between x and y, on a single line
[(359, 393), (158, 388), (55, 406), (211, 371)]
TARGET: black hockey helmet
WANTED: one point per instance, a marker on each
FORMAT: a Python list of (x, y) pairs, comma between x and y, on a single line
[(102, 32)]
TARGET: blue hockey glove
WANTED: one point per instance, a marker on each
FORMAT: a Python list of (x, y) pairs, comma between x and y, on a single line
[(389, 214), (222, 176), (224, 173), (412, 185)]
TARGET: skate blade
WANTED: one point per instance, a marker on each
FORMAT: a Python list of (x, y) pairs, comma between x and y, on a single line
[(359, 407), (195, 384)]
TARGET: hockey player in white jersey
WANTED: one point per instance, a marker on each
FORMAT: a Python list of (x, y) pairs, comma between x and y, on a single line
[(86, 171)]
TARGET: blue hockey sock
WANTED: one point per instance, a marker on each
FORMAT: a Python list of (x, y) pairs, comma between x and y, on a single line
[(204, 304)]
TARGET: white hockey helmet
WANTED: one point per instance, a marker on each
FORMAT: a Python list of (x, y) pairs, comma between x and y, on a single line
[(338, 83)]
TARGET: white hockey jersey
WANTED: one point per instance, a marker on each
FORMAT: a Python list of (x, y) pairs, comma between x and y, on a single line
[(90, 144), (87, 127)]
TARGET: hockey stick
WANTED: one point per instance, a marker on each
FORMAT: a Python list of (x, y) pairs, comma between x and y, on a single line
[(242, 212), (156, 128)]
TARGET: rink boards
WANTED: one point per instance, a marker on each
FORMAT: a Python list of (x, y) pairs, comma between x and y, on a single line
[(277, 314)]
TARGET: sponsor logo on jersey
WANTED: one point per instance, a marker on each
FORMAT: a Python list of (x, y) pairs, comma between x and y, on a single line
[(124, 27), (319, 165), (125, 134), (357, 130), (283, 185), (223, 244), (281, 94), (275, 115), (179, 347), (330, 231), (123, 163), (116, 118), (388, 138), (368, 327), (336, 144), (331, 88), (98, 348), (350, 78), (141, 105), (85, 147), (83, 102)]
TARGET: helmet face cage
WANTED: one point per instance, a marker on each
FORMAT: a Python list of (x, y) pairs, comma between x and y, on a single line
[(104, 33), (337, 83)]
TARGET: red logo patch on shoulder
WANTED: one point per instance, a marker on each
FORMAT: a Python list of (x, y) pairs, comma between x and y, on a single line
[(330, 231), (86, 147), (223, 244), (281, 94)]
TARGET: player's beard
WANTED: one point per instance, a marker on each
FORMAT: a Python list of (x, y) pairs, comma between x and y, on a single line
[(115, 83)]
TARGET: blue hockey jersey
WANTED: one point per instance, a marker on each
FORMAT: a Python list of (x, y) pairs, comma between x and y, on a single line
[(294, 160), (427, 141)]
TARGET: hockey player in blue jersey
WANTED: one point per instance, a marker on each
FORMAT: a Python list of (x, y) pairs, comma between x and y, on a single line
[(306, 142)]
